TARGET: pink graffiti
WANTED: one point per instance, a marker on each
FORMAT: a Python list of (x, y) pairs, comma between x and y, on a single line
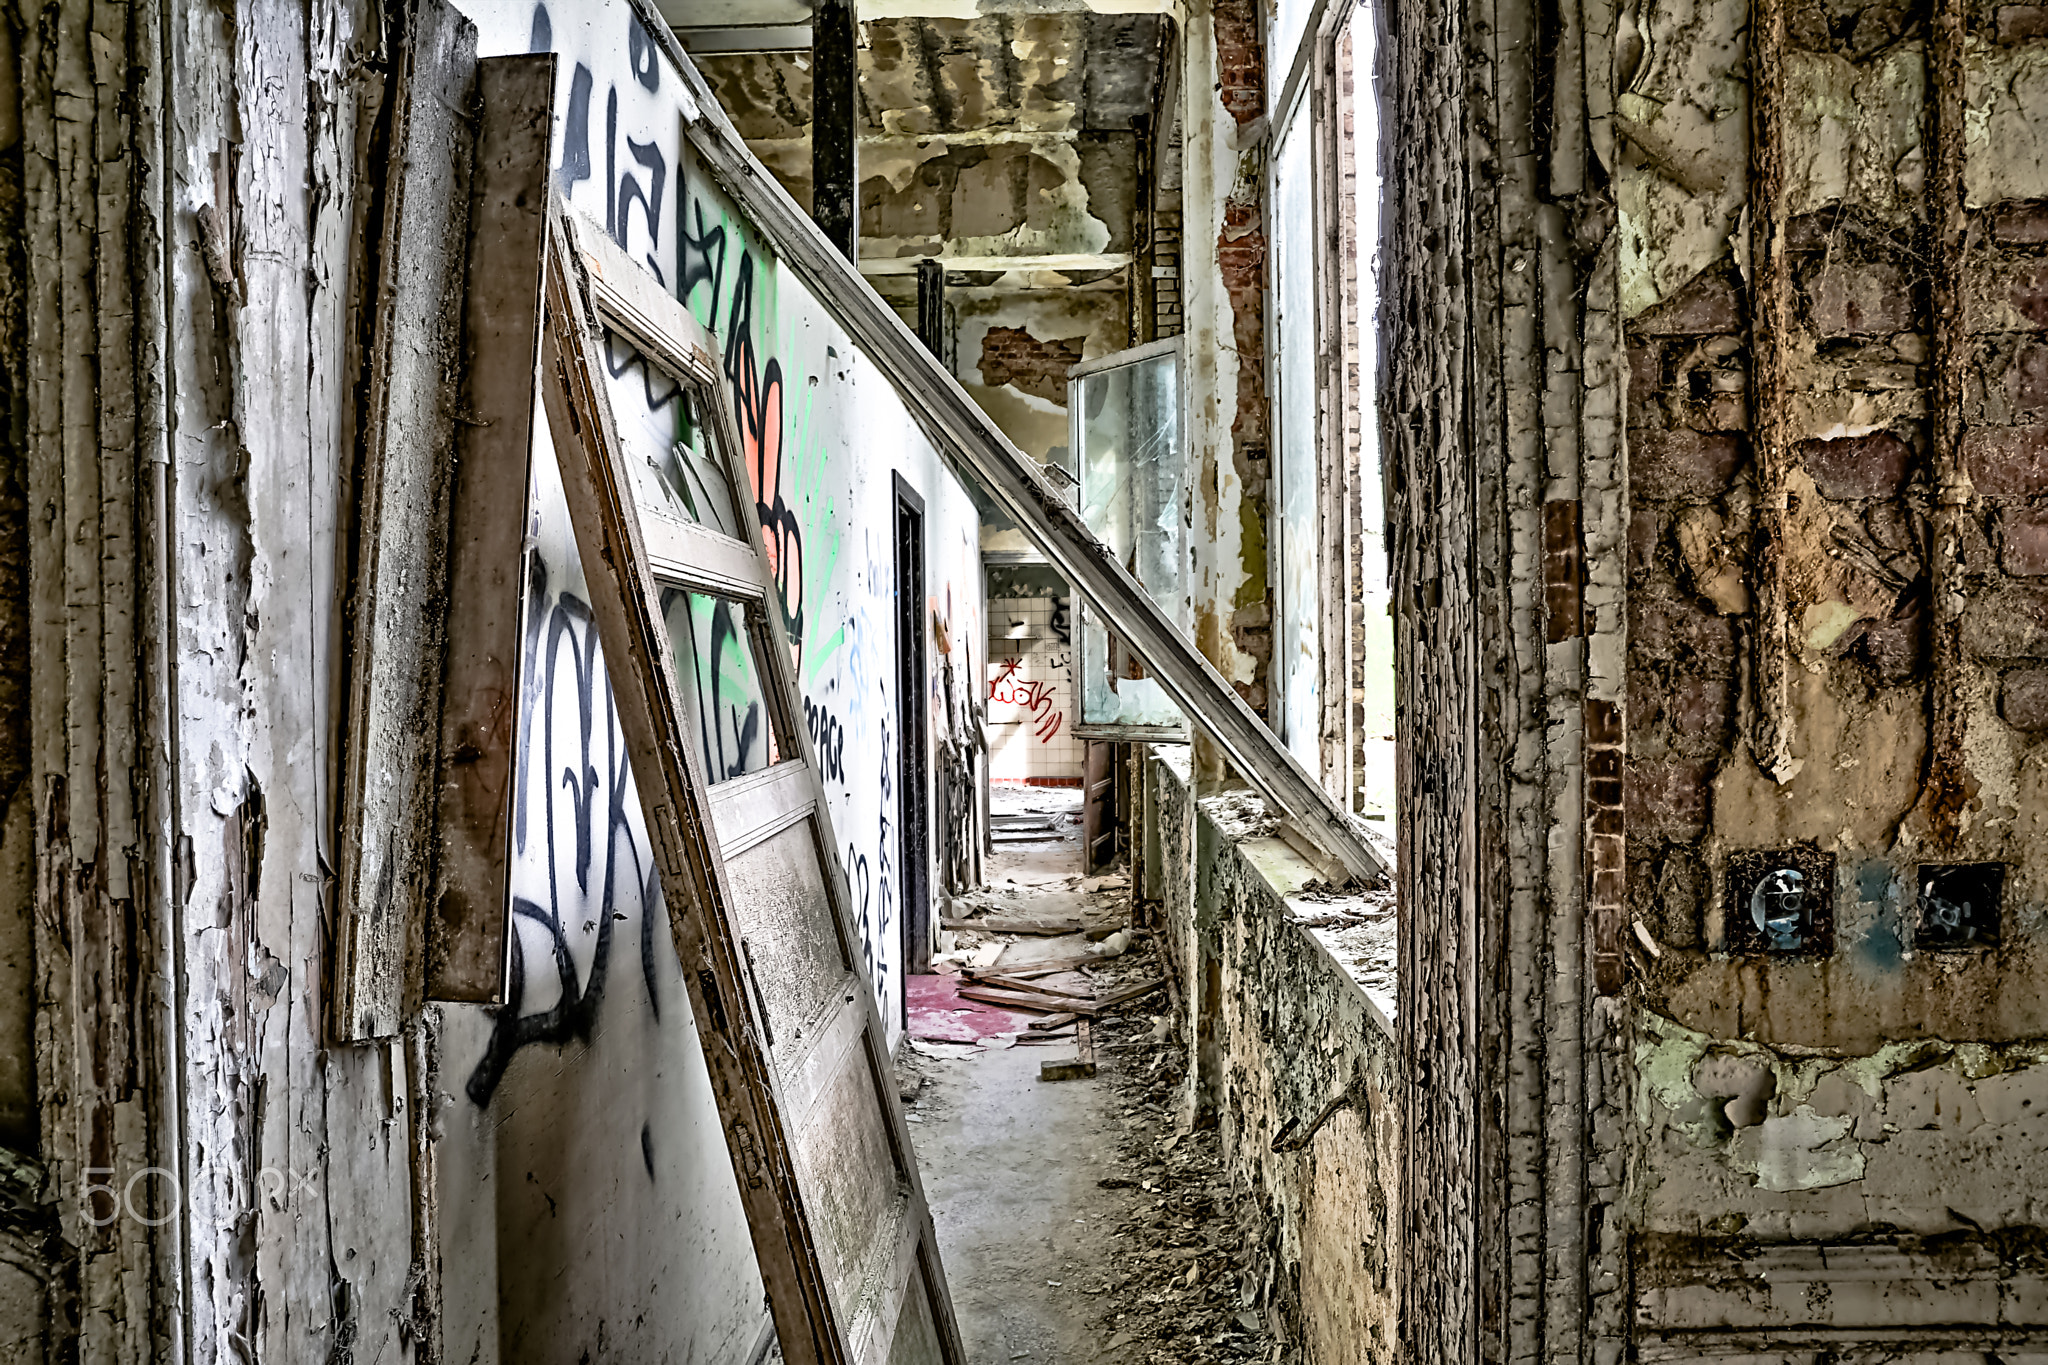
[(1033, 696)]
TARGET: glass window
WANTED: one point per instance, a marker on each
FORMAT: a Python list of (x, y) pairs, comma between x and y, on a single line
[(1127, 438), (1297, 661), (724, 693), (667, 444)]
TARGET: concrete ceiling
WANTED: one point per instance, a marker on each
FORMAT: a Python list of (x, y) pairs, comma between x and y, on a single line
[(1002, 138)]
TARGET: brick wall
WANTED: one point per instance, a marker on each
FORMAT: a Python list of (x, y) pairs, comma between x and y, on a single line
[(1011, 355)]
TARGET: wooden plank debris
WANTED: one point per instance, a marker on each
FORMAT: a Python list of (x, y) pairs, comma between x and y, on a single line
[(1083, 1065), (1044, 967), (1011, 983), (1054, 1004), (1047, 927), (1053, 1021), (1026, 1000)]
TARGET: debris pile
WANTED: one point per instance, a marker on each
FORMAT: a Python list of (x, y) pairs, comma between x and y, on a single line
[(1190, 1288)]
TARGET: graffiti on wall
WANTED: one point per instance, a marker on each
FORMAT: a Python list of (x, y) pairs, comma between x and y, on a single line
[(584, 872), (582, 863), (1033, 696)]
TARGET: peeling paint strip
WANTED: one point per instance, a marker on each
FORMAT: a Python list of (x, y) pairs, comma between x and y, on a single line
[(1606, 843), (1770, 319), (1945, 793)]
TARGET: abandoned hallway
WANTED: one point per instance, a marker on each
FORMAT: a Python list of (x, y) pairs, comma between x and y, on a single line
[(1091, 682)]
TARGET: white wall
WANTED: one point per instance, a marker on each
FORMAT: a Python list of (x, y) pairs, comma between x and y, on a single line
[(1031, 710), (584, 1162)]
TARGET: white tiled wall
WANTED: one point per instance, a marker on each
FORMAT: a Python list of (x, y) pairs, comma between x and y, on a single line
[(1031, 711)]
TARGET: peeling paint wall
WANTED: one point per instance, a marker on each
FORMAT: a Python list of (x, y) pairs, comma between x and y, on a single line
[(205, 1173), (1787, 620), (1223, 274), (1295, 1059)]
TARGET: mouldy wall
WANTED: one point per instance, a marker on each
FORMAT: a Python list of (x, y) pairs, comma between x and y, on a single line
[(1875, 1088), (1301, 1059)]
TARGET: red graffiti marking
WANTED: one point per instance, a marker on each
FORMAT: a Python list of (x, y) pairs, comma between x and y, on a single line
[(1034, 697)]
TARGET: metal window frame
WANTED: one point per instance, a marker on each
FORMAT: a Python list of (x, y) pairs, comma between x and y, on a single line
[(977, 449), (1115, 360)]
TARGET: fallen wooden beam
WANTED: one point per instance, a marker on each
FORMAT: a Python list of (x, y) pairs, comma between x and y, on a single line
[(1022, 1000), (1083, 1065), (1015, 926), (1053, 1004), (1053, 1021), (1051, 966), (1013, 983), (1126, 995)]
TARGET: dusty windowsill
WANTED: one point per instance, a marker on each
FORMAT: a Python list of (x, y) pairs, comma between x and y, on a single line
[(1355, 930)]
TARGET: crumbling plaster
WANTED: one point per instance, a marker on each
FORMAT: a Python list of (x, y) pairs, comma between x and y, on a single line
[(1883, 1092), (1292, 1058), (1223, 273)]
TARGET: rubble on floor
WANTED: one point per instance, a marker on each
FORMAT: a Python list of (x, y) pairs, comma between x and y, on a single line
[(1176, 1280)]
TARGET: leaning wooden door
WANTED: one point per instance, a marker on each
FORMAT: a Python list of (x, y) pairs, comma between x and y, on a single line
[(694, 643)]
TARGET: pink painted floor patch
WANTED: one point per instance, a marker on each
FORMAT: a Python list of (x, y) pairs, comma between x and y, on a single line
[(939, 1015)]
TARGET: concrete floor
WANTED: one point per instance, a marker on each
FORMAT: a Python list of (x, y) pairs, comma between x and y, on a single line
[(1010, 1166), (1011, 1163)]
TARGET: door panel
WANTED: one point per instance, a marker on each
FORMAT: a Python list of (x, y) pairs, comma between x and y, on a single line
[(758, 906)]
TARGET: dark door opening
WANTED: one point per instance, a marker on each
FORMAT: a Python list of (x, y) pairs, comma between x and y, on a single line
[(912, 765)]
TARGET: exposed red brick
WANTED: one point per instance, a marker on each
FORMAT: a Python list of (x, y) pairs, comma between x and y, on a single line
[(1645, 385), (2019, 23), (2027, 380), (2025, 222), (1721, 412), (1561, 570), (1668, 798), (2007, 462), (1241, 260), (2026, 288), (1860, 299), (1700, 707), (1668, 628), (1682, 463), (2023, 701), (1873, 466), (1011, 355), (1603, 722), (1708, 303), (1240, 59), (2023, 542), (1894, 648), (2009, 622)]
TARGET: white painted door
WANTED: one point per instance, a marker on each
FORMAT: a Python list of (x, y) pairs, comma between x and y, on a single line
[(758, 905)]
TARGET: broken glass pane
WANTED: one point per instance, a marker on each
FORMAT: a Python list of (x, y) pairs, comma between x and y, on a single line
[(667, 445), (1126, 419), (723, 700)]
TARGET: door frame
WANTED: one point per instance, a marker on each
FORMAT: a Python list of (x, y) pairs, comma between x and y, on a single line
[(913, 734)]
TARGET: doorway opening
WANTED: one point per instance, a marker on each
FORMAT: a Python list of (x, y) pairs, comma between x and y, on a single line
[(913, 743)]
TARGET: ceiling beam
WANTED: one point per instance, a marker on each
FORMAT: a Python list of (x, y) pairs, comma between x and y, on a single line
[(907, 265)]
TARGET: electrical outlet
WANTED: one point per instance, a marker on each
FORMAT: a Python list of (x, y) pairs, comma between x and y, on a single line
[(1959, 905), (1780, 902)]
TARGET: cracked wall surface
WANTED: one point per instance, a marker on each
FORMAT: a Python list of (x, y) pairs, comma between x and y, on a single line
[(1788, 621)]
